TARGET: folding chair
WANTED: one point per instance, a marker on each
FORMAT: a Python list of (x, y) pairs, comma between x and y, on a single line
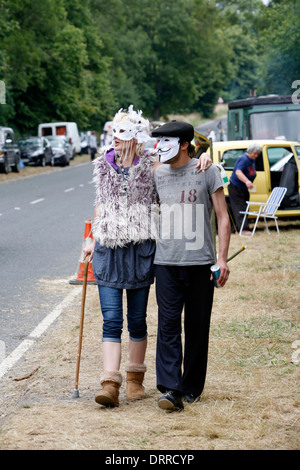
[(266, 210)]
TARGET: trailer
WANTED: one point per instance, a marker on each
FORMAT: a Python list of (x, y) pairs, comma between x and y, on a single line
[(264, 117)]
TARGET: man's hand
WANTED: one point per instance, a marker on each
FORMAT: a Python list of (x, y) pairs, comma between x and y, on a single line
[(224, 275)]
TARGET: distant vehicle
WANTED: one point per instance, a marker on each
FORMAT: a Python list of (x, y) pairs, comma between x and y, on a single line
[(62, 151), (9, 151), (35, 151), (155, 124), (264, 117), (151, 143), (67, 129), (277, 165)]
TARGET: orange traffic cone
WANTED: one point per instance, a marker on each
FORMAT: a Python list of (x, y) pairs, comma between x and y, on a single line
[(88, 238)]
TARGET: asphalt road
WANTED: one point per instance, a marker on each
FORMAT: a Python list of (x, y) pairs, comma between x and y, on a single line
[(42, 222), (213, 125)]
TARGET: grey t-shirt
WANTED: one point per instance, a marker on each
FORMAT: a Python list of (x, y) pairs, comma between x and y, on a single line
[(185, 236)]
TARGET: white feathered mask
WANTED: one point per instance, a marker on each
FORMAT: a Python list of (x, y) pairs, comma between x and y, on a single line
[(130, 124)]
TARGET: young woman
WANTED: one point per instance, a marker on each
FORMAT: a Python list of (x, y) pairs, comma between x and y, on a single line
[(124, 231)]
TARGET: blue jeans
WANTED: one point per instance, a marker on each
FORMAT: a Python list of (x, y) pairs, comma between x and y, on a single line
[(111, 301)]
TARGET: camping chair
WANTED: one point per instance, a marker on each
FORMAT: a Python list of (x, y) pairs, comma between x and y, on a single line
[(266, 209)]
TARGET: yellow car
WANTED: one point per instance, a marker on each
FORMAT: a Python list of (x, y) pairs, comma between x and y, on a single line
[(278, 165)]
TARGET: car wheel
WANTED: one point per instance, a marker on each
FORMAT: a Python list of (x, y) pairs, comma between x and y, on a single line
[(16, 167), (43, 161), (5, 166)]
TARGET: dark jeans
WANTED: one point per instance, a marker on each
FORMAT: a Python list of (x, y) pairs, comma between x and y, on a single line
[(238, 201), (179, 287)]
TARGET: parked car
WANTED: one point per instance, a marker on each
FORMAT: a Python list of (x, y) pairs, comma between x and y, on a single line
[(67, 129), (268, 173), (62, 150), (35, 151), (9, 151), (155, 124)]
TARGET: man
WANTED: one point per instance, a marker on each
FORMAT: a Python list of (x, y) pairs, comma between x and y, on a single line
[(184, 255)]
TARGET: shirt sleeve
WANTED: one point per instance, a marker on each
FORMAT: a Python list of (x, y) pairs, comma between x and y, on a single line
[(214, 179)]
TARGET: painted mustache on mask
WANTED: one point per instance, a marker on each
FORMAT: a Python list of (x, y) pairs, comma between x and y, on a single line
[(167, 148)]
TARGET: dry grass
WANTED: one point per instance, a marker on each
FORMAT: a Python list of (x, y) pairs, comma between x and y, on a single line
[(251, 397)]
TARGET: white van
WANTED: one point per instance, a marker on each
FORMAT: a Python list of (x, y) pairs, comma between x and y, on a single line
[(68, 129)]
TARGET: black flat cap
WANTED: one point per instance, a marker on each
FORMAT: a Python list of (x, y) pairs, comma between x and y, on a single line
[(180, 129)]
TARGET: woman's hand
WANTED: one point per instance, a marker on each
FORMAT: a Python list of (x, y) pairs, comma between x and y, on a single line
[(204, 162), (88, 251)]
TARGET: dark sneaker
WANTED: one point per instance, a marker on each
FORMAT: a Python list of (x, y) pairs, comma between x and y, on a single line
[(190, 398), (170, 401)]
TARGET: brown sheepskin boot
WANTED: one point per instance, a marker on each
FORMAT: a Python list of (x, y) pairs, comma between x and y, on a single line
[(111, 382), (135, 376)]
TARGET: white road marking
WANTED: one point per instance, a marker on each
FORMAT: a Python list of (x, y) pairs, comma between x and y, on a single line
[(37, 200), (69, 189), (20, 350)]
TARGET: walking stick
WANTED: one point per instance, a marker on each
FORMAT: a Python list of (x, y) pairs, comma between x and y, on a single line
[(76, 391), (237, 253)]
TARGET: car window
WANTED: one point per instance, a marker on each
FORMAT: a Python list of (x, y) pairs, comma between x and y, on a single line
[(231, 156), (297, 148), (57, 143), (31, 142), (277, 153), (9, 138), (280, 164), (269, 125), (46, 131)]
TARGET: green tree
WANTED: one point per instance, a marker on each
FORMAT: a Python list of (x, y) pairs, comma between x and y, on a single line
[(162, 51), (280, 36), (240, 22), (52, 70)]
